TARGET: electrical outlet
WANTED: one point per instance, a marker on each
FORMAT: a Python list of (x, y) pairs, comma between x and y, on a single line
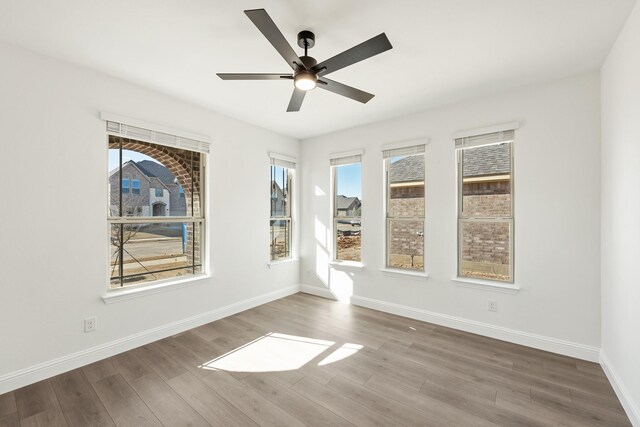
[(90, 324), (492, 305)]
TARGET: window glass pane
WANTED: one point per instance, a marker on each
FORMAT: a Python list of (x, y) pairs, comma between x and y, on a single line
[(144, 179), (114, 252), (348, 190), (485, 250), (348, 209), (280, 238), (405, 244), (280, 192), (348, 239), (486, 181), (113, 176), (406, 186), (153, 251), (135, 186)]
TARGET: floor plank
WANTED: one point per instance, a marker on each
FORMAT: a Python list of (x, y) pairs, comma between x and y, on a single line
[(99, 370), (49, 418), (123, 404), (343, 406), (165, 403), (249, 401), (10, 420), (8, 404), (129, 365), (293, 403), (35, 398), (209, 404), (78, 400), (160, 363)]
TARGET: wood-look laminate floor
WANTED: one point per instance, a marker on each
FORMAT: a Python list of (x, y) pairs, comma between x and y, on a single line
[(304, 360)]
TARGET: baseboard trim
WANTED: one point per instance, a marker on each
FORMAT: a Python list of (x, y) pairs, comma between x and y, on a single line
[(541, 342), (630, 407), (318, 291), (41, 371)]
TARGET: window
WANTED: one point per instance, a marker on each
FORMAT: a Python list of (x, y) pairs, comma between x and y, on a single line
[(405, 208), (145, 248), (181, 191), (485, 206), (280, 194), (159, 192), (347, 207)]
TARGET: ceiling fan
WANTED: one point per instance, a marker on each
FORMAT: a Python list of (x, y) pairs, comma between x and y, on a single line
[(307, 72)]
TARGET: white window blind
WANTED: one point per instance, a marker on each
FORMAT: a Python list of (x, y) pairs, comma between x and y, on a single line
[(282, 161), (347, 158), (156, 137), (486, 139), (403, 151)]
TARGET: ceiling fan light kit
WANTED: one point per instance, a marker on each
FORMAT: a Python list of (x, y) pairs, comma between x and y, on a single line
[(307, 72), (305, 80)]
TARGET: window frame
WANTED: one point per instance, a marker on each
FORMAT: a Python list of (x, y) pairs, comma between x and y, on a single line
[(289, 164), (357, 159), (461, 219), (123, 218), (420, 147)]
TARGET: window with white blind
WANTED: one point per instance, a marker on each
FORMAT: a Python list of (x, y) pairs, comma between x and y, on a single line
[(405, 207), (281, 198), (485, 206), (346, 170), (152, 239)]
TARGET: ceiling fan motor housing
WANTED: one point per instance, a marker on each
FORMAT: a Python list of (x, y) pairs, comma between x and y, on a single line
[(308, 62)]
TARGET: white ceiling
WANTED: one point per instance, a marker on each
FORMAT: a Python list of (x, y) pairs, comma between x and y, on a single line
[(443, 50)]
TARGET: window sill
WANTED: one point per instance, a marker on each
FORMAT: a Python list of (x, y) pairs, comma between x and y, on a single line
[(486, 285), (282, 262), (347, 265), (164, 286), (416, 275)]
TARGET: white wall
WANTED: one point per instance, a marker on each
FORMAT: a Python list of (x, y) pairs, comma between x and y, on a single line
[(557, 217), (53, 229), (621, 215)]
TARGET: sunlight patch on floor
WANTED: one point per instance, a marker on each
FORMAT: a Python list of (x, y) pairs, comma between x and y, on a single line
[(270, 353)]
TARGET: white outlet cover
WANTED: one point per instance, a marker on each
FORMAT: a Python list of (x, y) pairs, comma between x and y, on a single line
[(90, 324)]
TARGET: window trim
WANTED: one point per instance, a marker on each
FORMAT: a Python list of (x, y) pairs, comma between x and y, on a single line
[(334, 208), (510, 219), (415, 143)]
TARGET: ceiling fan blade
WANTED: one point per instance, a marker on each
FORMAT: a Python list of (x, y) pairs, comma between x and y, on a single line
[(364, 50), (268, 28), (344, 90), (254, 76), (296, 100)]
